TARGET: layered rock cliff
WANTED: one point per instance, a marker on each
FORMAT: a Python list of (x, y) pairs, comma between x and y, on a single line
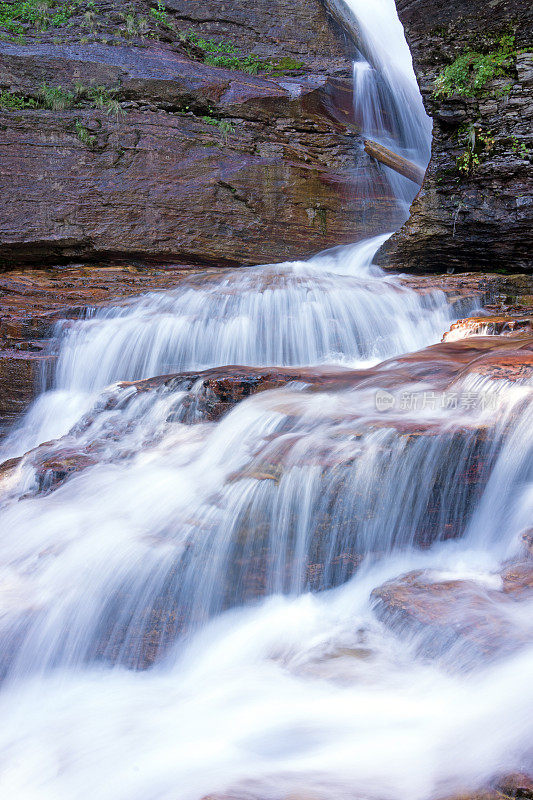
[(474, 63), (203, 133)]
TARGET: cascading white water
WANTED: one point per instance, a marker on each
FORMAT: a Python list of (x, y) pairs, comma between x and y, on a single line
[(192, 547), (335, 308)]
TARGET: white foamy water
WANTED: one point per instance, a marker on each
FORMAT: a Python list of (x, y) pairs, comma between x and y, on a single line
[(336, 308), (189, 611)]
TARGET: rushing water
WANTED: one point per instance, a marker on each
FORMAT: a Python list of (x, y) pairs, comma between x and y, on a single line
[(191, 611)]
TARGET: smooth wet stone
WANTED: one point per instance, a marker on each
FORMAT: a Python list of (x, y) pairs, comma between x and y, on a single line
[(458, 620)]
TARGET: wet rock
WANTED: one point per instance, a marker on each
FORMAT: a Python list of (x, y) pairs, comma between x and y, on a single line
[(504, 325), (20, 374), (32, 302), (460, 620), (213, 392), (516, 785), (479, 217), (53, 469), (209, 165)]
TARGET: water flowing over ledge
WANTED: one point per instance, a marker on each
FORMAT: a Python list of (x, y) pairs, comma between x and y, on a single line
[(204, 595)]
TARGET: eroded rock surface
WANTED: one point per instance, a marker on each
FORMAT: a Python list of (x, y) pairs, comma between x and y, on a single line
[(471, 213)]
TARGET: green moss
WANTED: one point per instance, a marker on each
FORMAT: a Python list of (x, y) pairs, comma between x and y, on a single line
[(285, 64), (470, 73)]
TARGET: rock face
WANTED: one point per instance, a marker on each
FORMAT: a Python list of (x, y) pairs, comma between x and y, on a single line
[(475, 209), (191, 162)]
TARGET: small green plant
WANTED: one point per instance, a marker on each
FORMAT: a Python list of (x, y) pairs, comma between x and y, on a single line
[(104, 99), (87, 138), (469, 74), (99, 97), (159, 13), (479, 145), (134, 25), (16, 102), (56, 98), (223, 125), (520, 148)]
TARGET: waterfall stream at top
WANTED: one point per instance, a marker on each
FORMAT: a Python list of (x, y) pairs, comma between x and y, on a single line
[(202, 608)]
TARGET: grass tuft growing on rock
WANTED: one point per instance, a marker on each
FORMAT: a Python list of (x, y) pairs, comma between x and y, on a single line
[(84, 135), (55, 98)]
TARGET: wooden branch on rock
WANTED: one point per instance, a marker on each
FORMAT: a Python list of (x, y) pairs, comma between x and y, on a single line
[(394, 161)]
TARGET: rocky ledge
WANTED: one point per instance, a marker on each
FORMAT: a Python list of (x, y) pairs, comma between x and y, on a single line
[(34, 301), (474, 63), (203, 397)]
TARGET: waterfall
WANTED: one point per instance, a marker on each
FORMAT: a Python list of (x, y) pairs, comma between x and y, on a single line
[(192, 608), (336, 308)]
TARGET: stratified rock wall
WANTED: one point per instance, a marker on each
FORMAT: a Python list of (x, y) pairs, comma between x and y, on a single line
[(471, 213), (201, 164)]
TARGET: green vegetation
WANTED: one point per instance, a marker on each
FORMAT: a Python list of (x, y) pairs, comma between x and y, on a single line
[(100, 97), (159, 13), (469, 74), (135, 25), (520, 149), (55, 98), (16, 102), (224, 54), (39, 14), (87, 138), (479, 145), (222, 124)]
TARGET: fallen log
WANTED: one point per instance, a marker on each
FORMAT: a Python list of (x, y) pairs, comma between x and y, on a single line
[(394, 161)]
